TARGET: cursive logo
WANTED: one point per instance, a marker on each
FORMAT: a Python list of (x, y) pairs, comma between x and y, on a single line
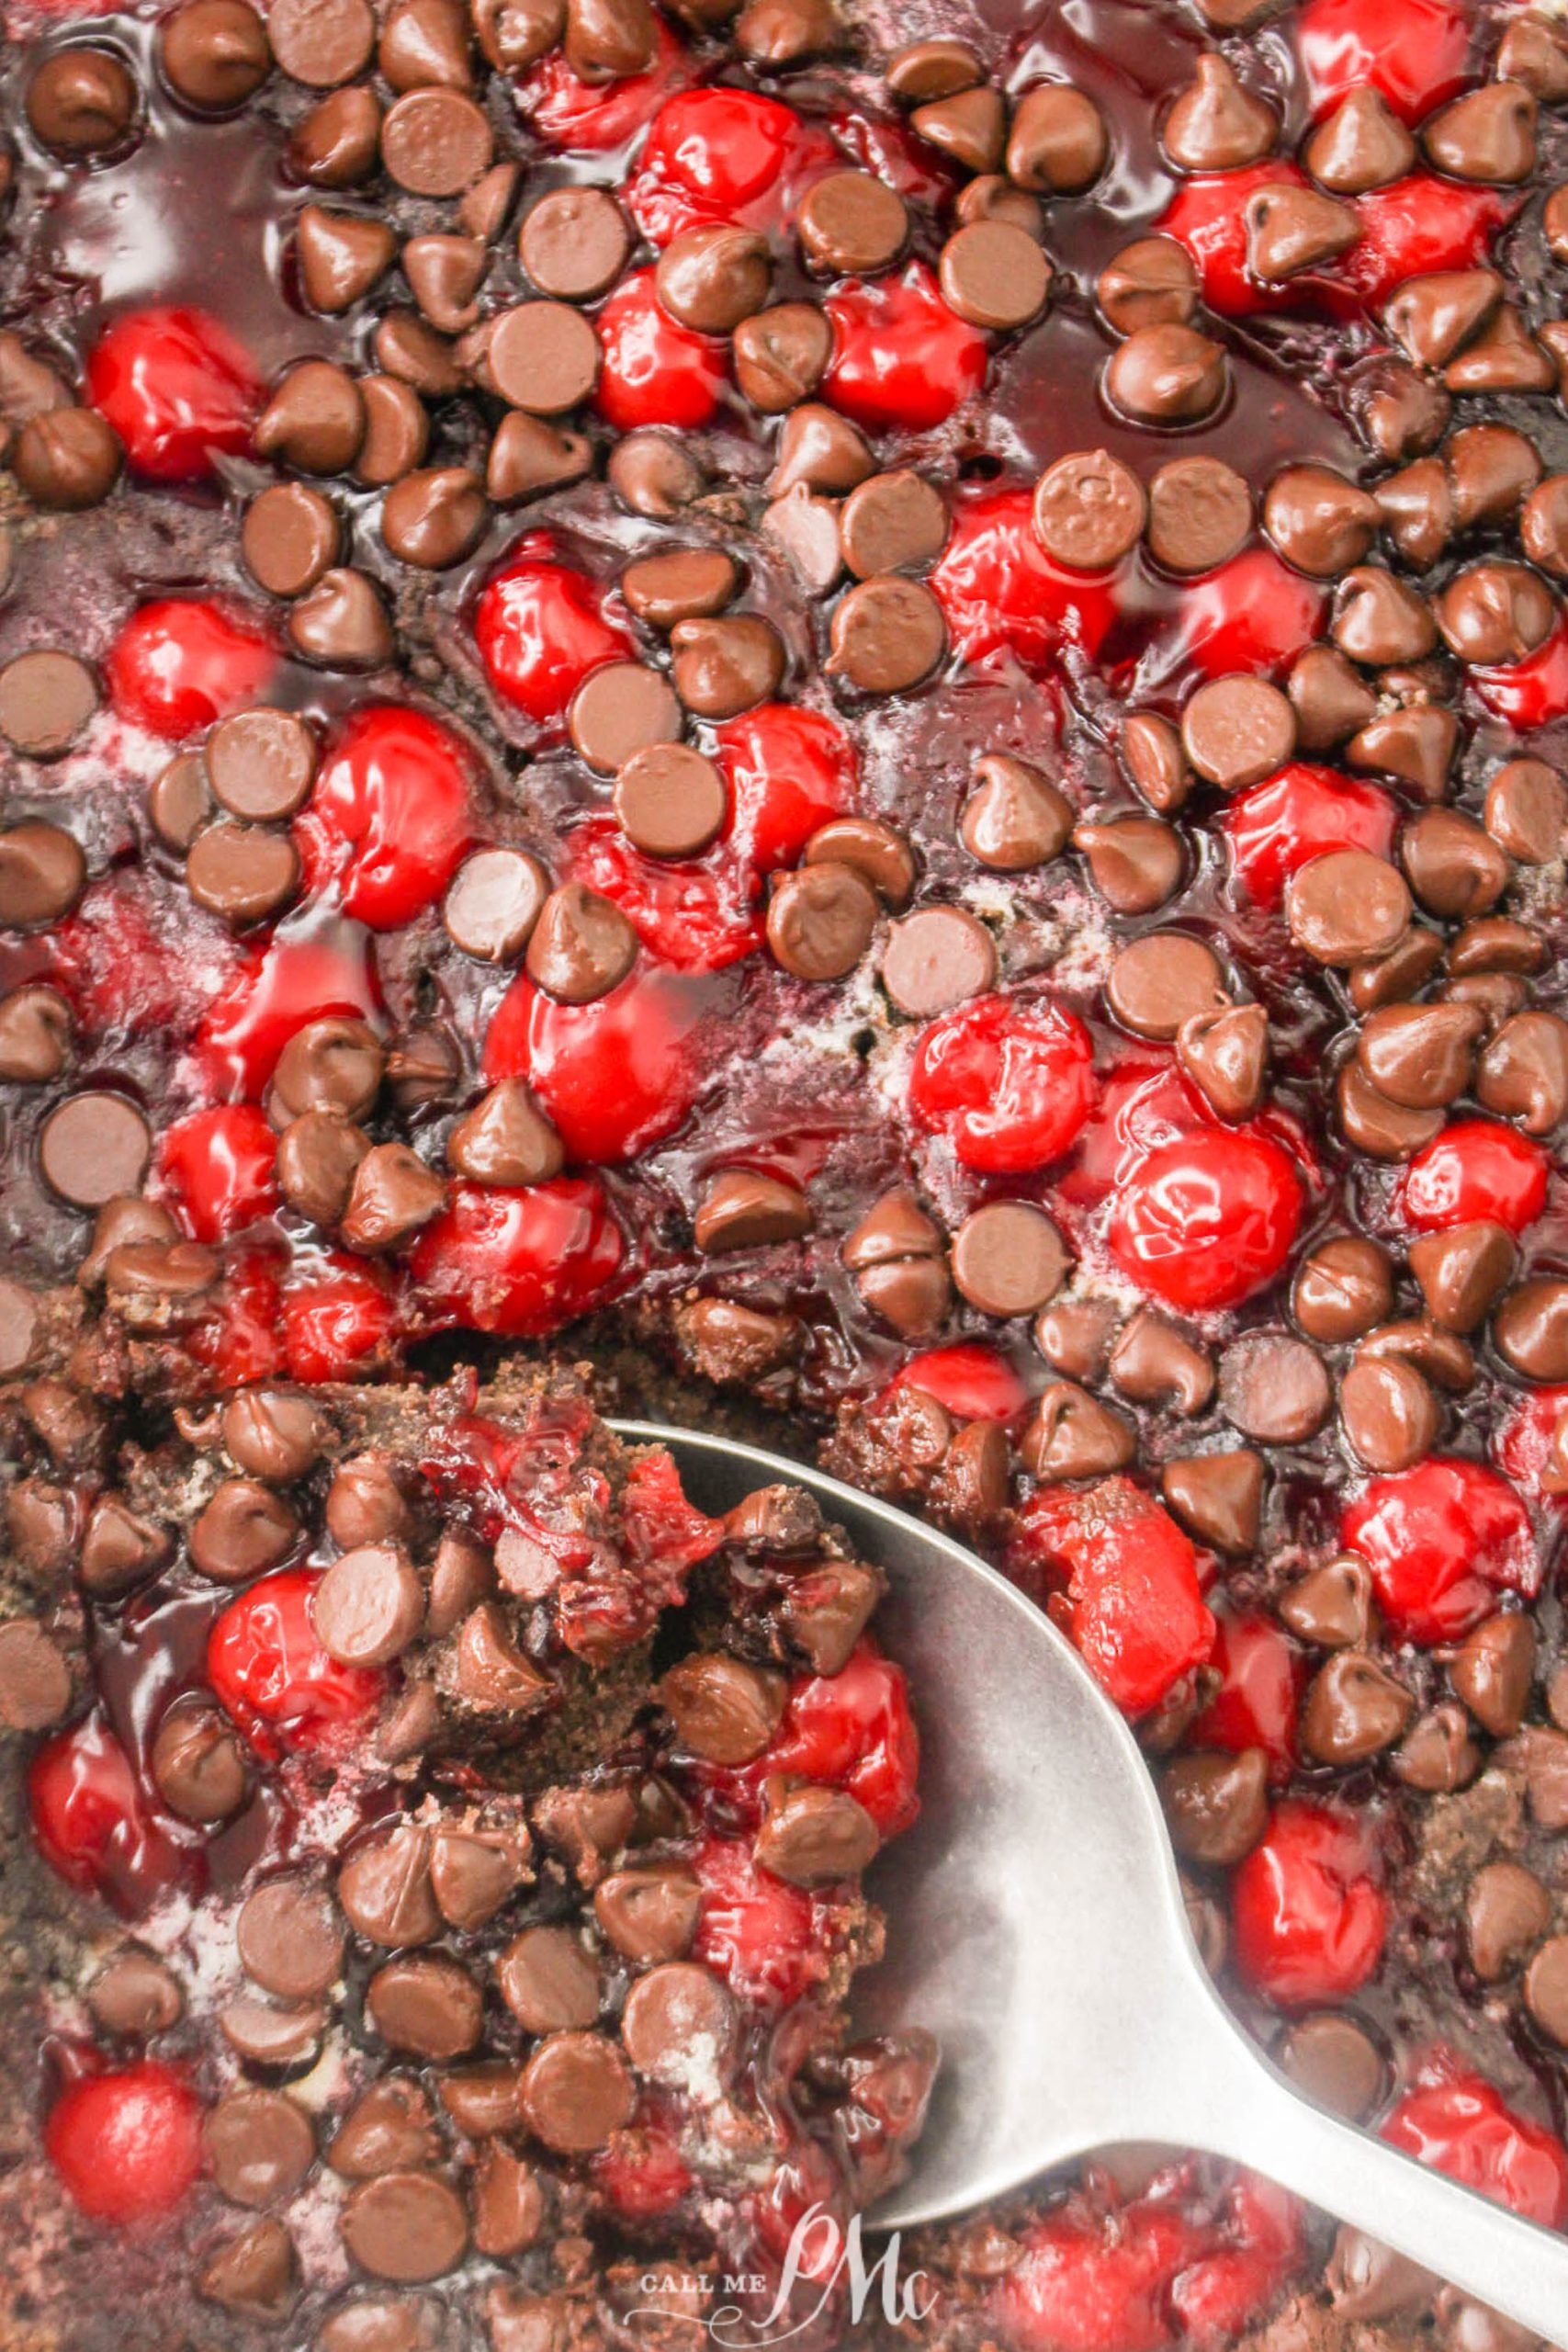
[(821, 2259)]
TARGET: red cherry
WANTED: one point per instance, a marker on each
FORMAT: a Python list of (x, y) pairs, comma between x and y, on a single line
[(765, 1938), (540, 629), (852, 1730), (717, 155), (1216, 2299), (181, 662), (652, 369), (1093, 2282), (902, 361), (1465, 2128), (92, 1822), (974, 1384), (291, 980), (999, 590), (216, 1170), (389, 817), (126, 963), (663, 1533), (789, 771), (274, 1678), (1137, 1614), (614, 1076), (1531, 693), (1525, 1443), (1476, 1167), (1420, 225), (1209, 1219), (696, 915), (641, 2175), (237, 1338), (1415, 51), (126, 2146), (1309, 1918), (1277, 827), (1442, 1541), (1208, 215), (1253, 613), (520, 1263), (587, 118), (178, 389), (1009, 1084), (1262, 1675), (338, 1326)]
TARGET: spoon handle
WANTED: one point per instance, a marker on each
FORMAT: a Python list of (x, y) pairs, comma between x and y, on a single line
[(1236, 2105)]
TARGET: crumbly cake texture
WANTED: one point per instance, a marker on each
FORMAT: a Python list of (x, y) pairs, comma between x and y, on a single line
[(868, 703)]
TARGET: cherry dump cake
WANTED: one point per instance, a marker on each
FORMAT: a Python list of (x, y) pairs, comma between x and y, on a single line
[(864, 699)]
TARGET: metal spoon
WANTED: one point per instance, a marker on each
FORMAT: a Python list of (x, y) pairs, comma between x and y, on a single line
[(1038, 1930)]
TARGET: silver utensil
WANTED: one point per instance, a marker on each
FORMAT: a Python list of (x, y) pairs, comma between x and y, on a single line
[(1038, 1930)]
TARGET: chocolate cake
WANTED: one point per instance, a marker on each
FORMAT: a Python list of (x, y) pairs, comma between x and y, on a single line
[(857, 708)]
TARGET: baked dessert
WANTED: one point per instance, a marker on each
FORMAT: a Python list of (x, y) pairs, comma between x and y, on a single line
[(867, 703)]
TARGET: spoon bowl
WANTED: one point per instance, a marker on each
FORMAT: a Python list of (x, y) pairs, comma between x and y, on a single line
[(1038, 1928)]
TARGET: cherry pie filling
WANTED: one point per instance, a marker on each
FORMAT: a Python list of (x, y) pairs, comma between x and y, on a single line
[(880, 713)]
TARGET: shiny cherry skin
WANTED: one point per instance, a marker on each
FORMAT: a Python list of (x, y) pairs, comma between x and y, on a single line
[(181, 662), (339, 1325), (236, 1341), (720, 155), (1086, 2281), (1262, 1675), (92, 1821), (1277, 827), (1309, 1918), (652, 369), (1135, 1607), (970, 1382), (1526, 1443), (1213, 2300), (180, 389), (1208, 215), (215, 1168), (590, 118), (1209, 1219), (275, 1681), (999, 590), (693, 914), (1442, 1541), (1531, 693), (1463, 2126), (763, 1937), (515, 1264), (540, 627), (1251, 613), (852, 1730), (789, 771), (1415, 51), (296, 978), (614, 1076), (902, 361), (1009, 1084), (126, 2146), (1476, 1167), (1418, 226), (389, 817)]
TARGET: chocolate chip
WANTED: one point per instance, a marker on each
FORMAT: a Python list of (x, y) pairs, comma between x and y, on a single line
[(242, 874), (92, 1147), (689, 583), (576, 2091), (1507, 1911), (622, 708), (786, 32), (492, 1672), (369, 1606), (214, 54), (991, 198), (341, 255), (1199, 514), (396, 431), (407, 2226), (35, 1036), (1167, 374), (1463, 1272), (781, 355), (436, 517), (1344, 1289), (826, 1610), (678, 2024), (1088, 511), (993, 274), (35, 1680), (264, 2036), (81, 101), (1531, 1329), (425, 41), (342, 624), (1274, 1388), (548, 1981), (1420, 1055), (1359, 146), (820, 921), (814, 1837), (1389, 979), (1151, 283), (427, 2006), (1058, 144), (935, 958), (723, 1710), (384, 1888), (670, 800), (822, 450), (528, 458), (710, 277), (1135, 862), (1527, 810), (886, 635), (1353, 1709), (255, 2274), (259, 2146), (970, 127), (290, 1939), (723, 667), (1008, 1259), (1225, 1054), (290, 535), (1488, 135), (581, 946), (1523, 1071), (393, 1194), (1494, 612), (1238, 730), (1217, 1805), (336, 143), (315, 421), (541, 356), (1546, 1990), (1494, 1670), (852, 224), (1379, 620), (321, 42), (411, 352), (1391, 1415), (436, 143), (1290, 229), (42, 872), (505, 1140), (241, 1531), (1346, 906), (198, 1765), (1533, 52), (261, 764), (317, 1156), (892, 522), (743, 1209), (493, 903), (1436, 315), (135, 1994), (1015, 818), (573, 243), (1158, 982), (924, 70), (1330, 2058), (1218, 1497), (67, 458), (45, 700), (1072, 1435), (1154, 1363), (606, 39), (1154, 761), (390, 2127), (1330, 699), (1320, 521)]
